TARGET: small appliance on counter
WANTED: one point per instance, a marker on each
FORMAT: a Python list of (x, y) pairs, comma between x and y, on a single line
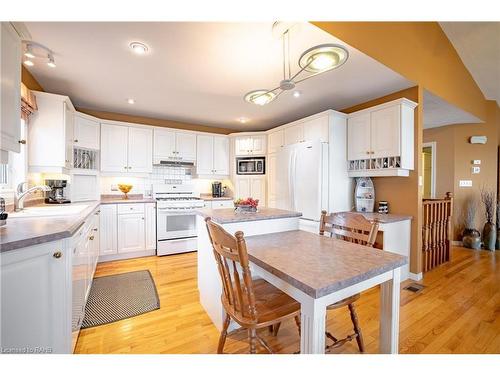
[(57, 194), (3, 214), (365, 194), (383, 207), (217, 190)]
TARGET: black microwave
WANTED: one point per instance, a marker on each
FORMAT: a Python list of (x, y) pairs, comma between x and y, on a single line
[(251, 165)]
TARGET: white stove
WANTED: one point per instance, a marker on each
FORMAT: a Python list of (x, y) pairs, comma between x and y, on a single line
[(176, 218)]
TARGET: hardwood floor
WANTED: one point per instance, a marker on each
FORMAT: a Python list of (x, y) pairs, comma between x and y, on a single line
[(457, 312)]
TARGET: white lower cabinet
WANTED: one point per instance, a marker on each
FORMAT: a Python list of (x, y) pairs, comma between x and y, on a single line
[(44, 290), (108, 230), (219, 204), (150, 215), (251, 186), (131, 233)]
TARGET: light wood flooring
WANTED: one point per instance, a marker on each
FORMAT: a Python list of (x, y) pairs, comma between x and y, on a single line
[(457, 312)]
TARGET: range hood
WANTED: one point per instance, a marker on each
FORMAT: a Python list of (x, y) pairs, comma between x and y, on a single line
[(173, 161)]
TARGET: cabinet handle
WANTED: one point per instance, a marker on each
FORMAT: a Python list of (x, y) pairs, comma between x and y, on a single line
[(95, 229), (57, 254), (76, 140), (22, 141), (91, 238), (142, 218), (125, 167), (368, 152)]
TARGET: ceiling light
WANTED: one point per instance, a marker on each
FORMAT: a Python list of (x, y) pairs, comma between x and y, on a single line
[(130, 101), (323, 57), (29, 51), (260, 97), (315, 60), (51, 62), (243, 120), (28, 62), (139, 48)]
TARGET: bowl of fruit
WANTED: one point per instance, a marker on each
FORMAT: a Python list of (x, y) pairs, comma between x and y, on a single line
[(246, 205)]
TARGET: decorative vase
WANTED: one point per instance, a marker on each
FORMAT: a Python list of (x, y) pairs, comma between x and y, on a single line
[(471, 238), (489, 236)]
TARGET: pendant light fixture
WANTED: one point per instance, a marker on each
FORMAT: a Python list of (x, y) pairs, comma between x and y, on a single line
[(316, 60)]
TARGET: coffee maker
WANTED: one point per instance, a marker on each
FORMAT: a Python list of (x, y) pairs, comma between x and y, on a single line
[(57, 194), (217, 189)]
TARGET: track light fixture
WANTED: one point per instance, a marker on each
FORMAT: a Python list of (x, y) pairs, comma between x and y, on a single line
[(34, 51)]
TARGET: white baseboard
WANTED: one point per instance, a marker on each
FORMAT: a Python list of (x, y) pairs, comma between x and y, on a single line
[(415, 276), (136, 254)]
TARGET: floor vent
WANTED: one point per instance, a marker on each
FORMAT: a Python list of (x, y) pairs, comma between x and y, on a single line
[(414, 287)]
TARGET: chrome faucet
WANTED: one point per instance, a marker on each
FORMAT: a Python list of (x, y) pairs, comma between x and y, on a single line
[(21, 194)]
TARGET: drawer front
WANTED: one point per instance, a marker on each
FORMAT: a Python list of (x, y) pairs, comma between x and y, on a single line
[(222, 204), (132, 208)]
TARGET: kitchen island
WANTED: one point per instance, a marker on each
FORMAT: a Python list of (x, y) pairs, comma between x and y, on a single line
[(266, 220)]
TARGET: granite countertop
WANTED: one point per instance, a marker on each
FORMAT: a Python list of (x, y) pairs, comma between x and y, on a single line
[(208, 197), (118, 199), (318, 265), (382, 218), (229, 215), (23, 232)]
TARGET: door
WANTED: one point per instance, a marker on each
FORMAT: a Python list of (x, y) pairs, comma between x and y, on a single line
[(86, 133), (186, 146), (36, 298), (385, 132), (243, 188), (69, 131), (150, 226), (242, 146), (114, 144), (358, 137), (316, 129), (204, 154), (108, 230), (221, 156), (258, 189), (276, 141), (131, 234), (258, 143), (164, 143), (140, 150), (294, 134), (271, 180), (10, 115)]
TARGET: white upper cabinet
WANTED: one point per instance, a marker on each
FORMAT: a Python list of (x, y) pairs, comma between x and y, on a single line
[(51, 134), (10, 92), (87, 132), (114, 148), (294, 134), (251, 186), (212, 155), (358, 135), (276, 141), (380, 140), (140, 150), (126, 149), (316, 129), (174, 145), (250, 145)]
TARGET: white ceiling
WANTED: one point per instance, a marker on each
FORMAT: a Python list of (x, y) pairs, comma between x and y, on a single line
[(478, 45), (438, 112), (199, 72)]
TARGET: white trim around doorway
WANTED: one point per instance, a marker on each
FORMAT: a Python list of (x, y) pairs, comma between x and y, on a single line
[(433, 146)]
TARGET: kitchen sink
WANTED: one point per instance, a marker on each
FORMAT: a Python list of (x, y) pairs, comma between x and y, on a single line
[(39, 211)]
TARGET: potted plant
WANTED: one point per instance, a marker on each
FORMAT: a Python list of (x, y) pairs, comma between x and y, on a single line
[(471, 238), (489, 230)]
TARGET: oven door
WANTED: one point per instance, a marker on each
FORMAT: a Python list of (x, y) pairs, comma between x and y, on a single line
[(175, 224)]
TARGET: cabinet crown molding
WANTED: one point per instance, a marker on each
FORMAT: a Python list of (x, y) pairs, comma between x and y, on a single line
[(411, 104)]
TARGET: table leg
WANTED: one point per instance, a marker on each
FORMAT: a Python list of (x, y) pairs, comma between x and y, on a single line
[(389, 314), (312, 321)]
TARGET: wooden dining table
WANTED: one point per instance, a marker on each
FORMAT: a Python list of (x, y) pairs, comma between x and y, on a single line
[(318, 271)]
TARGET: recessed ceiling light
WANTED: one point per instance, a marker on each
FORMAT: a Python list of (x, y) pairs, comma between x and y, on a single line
[(297, 94), (139, 48), (243, 120), (28, 62), (260, 97), (130, 101)]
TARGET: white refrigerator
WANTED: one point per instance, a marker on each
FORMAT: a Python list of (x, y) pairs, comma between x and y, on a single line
[(302, 179)]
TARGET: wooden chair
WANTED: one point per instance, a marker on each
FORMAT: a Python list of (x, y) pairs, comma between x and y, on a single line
[(353, 228), (253, 304)]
